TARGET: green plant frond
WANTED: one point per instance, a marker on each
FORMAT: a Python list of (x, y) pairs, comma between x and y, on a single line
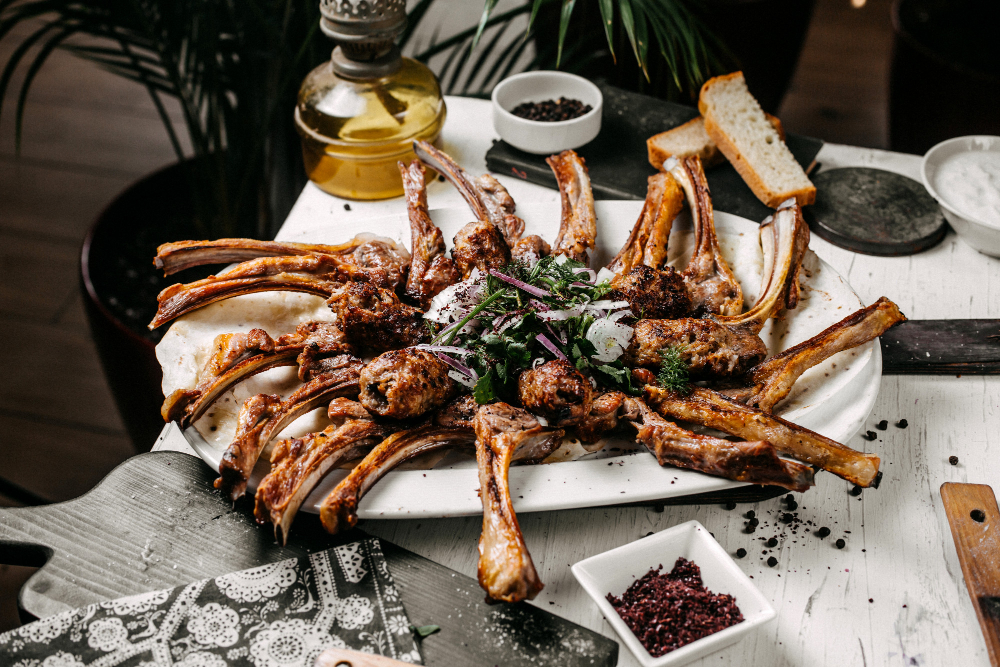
[(608, 20), (488, 7), (462, 36), (628, 22), (535, 6), (484, 55), (564, 16)]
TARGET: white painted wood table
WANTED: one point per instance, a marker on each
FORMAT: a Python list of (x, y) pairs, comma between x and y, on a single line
[(894, 595)]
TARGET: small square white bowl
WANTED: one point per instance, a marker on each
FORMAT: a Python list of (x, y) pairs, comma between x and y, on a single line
[(614, 571)]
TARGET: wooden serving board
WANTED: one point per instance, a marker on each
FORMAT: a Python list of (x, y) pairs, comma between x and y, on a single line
[(156, 522)]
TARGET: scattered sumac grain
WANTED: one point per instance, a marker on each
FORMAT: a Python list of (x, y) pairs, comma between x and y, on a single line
[(551, 111), (667, 611)]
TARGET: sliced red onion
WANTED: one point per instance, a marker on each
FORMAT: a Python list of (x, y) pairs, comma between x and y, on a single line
[(550, 346), (580, 285), (458, 366), (590, 273), (521, 285), (542, 307), (553, 332), (451, 349)]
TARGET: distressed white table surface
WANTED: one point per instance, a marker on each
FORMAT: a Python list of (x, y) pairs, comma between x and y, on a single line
[(895, 594)]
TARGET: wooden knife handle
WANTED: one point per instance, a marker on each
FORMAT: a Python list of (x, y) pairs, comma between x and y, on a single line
[(332, 657), (975, 526)]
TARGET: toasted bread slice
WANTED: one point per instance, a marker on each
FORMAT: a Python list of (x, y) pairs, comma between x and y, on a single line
[(691, 139), (738, 126)]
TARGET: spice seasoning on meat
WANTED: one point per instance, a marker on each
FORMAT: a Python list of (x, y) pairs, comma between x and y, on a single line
[(551, 111), (667, 611)]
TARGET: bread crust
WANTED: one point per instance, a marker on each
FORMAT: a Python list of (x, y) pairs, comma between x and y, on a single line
[(804, 196), (709, 153)]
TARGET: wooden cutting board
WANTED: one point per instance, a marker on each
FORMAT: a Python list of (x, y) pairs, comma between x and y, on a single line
[(156, 522)]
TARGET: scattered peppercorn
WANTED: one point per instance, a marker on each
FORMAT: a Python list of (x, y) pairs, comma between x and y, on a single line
[(841, 543), (772, 561), (902, 423), (872, 600), (347, 207), (787, 518), (551, 111), (953, 460), (870, 435), (822, 532), (751, 525), (978, 516), (741, 552), (667, 611), (751, 514), (882, 425), (856, 491), (792, 505), (772, 542), (730, 505)]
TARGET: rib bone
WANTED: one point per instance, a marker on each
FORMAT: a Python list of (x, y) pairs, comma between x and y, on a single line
[(711, 409), (647, 244), (756, 462), (504, 433), (430, 269), (578, 223), (714, 288)]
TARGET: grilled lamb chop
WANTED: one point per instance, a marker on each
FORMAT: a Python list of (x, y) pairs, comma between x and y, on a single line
[(374, 319), (714, 289), (488, 199), (298, 464), (480, 245), (652, 293), (405, 383), (578, 223), (174, 257), (556, 391), (530, 249), (647, 244), (503, 434), (712, 409), (756, 462), (262, 416), (771, 381), (430, 269), (239, 356), (606, 412), (338, 511)]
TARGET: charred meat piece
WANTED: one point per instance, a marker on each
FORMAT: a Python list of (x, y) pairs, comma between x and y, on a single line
[(657, 294), (578, 223), (772, 380), (338, 511), (263, 416), (606, 412), (755, 462), (458, 413), (710, 350), (488, 199), (557, 391), (530, 249), (711, 409), (174, 257), (298, 465), (647, 244), (430, 270), (479, 245), (714, 289), (406, 383), (374, 319), (503, 432), (784, 239)]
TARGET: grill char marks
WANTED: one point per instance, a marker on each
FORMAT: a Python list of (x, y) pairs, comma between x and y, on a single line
[(407, 383)]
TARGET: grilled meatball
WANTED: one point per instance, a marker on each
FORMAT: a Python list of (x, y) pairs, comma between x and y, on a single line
[(556, 391), (710, 349), (374, 319), (405, 383), (480, 245), (653, 294)]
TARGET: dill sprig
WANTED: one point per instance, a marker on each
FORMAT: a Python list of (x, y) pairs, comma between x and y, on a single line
[(674, 370)]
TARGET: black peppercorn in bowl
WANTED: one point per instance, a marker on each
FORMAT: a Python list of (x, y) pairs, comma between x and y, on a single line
[(611, 575), (547, 112)]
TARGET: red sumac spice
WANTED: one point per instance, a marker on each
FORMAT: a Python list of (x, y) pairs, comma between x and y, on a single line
[(667, 611)]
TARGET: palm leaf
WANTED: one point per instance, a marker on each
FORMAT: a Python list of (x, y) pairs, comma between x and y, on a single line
[(564, 16)]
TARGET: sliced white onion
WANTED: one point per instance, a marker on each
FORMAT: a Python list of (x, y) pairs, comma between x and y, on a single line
[(614, 317), (449, 349), (551, 315), (541, 420), (464, 380), (450, 303), (538, 362), (610, 339), (606, 304), (605, 274)]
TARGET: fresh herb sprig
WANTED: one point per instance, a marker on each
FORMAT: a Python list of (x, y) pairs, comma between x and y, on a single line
[(674, 370)]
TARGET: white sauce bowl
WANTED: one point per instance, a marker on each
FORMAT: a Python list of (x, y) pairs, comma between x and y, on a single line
[(539, 137), (979, 234)]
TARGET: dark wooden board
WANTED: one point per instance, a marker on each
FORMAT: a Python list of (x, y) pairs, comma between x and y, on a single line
[(156, 522), (975, 526), (942, 347), (618, 160), (875, 212)]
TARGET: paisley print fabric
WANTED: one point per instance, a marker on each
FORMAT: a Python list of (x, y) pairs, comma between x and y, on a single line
[(276, 615)]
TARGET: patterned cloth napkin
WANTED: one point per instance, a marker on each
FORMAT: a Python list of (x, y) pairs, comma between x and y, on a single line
[(278, 615)]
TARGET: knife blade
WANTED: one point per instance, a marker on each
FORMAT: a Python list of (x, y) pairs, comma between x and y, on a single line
[(942, 347)]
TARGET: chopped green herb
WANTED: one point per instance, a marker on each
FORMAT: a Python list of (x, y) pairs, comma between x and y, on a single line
[(424, 630), (674, 370)]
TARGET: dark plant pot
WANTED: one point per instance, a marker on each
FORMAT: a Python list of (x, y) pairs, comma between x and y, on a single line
[(119, 286), (945, 77)]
